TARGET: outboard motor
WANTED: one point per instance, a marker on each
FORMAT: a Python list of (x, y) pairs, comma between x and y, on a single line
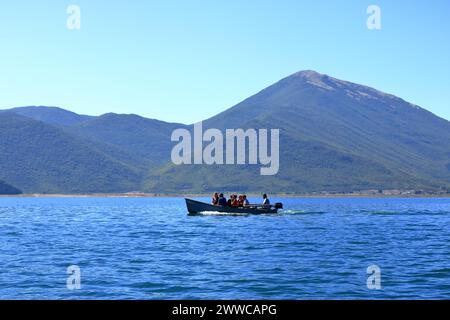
[(278, 205)]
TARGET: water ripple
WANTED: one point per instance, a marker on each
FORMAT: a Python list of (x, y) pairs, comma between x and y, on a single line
[(151, 249)]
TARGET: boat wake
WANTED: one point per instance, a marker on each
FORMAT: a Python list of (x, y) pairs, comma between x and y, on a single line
[(300, 212), (217, 213), (280, 213)]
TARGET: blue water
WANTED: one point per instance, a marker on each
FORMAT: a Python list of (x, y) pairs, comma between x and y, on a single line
[(141, 248)]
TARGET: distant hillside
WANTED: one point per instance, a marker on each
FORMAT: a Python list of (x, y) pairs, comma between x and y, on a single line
[(37, 157), (7, 189), (51, 115), (147, 139), (134, 139), (334, 136)]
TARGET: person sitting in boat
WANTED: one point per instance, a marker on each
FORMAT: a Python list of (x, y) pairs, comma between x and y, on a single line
[(235, 202), (245, 202), (266, 201), (240, 200), (222, 200), (230, 201), (215, 199)]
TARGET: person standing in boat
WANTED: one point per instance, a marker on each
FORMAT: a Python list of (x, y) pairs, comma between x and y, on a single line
[(222, 200), (215, 199), (266, 201), (245, 202)]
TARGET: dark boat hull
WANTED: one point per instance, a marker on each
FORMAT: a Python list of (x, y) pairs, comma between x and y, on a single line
[(196, 207)]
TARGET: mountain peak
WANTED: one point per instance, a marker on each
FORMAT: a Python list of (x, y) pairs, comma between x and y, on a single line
[(314, 78), (330, 84), (308, 74)]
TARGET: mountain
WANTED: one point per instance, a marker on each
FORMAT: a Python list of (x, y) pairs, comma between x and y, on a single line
[(147, 139), (134, 139), (51, 115), (38, 157), (352, 118), (334, 136), (7, 189)]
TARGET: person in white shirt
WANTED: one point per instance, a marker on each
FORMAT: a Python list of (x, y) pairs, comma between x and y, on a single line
[(245, 200), (266, 201)]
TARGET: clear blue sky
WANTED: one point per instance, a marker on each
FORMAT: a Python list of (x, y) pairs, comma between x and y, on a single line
[(184, 61)]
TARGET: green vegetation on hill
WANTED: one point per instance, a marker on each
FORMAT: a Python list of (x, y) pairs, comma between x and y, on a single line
[(389, 142), (37, 157), (147, 139), (7, 189), (335, 136)]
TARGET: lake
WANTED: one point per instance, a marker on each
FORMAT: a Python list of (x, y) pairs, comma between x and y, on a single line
[(149, 248)]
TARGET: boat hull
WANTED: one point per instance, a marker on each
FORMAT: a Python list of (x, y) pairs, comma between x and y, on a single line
[(196, 207)]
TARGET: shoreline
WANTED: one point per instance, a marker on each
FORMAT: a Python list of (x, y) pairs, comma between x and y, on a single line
[(201, 195)]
